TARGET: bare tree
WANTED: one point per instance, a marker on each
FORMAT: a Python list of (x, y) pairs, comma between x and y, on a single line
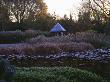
[(22, 9), (102, 6)]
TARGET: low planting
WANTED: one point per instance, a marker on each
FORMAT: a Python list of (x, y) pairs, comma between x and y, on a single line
[(55, 74), (98, 40), (74, 46), (8, 37), (45, 48), (11, 37), (55, 48), (92, 60)]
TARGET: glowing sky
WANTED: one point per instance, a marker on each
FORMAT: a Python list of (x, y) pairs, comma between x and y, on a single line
[(61, 7)]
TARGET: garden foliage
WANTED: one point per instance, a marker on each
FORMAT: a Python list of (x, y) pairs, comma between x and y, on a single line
[(7, 71), (55, 74)]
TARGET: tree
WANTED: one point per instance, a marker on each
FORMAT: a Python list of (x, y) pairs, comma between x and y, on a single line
[(102, 10), (98, 11), (21, 10), (85, 18), (68, 23), (100, 6), (44, 22), (4, 16)]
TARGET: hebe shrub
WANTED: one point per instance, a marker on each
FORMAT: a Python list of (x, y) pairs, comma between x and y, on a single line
[(7, 71)]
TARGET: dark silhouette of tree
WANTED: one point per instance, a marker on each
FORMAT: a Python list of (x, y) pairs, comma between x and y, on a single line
[(85, 18), (68, 23), (21, 10), (4, 16), (100, 8)]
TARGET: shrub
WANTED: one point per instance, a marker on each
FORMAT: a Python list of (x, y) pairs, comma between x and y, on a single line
[(55, 74), (11, 37), (19, 36), (31, 33), (107, 28), (7, 71)]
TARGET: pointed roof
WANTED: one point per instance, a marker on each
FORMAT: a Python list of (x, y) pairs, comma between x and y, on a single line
[(57, 28)]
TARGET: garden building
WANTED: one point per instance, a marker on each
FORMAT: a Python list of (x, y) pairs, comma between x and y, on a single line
[(58, 29)]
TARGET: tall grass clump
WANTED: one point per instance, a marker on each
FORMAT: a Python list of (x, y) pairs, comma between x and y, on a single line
[(98, 40), (45, 48), (41, 49), (8, 51)]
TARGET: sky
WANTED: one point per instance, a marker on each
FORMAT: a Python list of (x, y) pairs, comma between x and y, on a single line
[(62, 7)]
